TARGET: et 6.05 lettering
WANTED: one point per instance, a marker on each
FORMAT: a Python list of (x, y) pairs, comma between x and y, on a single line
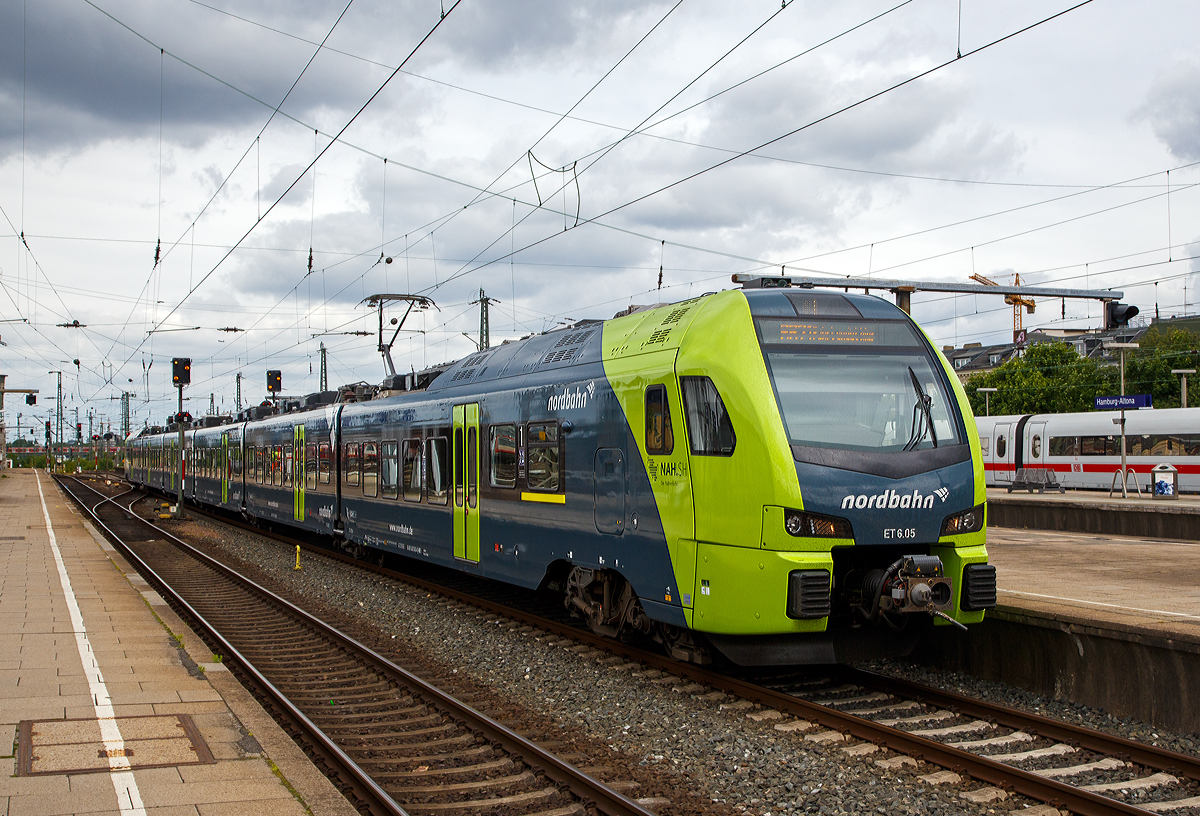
[(900, 532)]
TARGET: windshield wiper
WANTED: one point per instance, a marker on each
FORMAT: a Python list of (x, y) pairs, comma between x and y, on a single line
[(924, 405)]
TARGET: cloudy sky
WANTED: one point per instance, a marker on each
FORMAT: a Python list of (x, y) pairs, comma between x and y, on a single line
[(556, 155)]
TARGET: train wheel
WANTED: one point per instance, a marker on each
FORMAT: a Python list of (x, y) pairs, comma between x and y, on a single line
[(682, 644)]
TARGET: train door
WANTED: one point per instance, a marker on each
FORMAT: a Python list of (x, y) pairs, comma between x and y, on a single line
[(1036, 455), (1002, 458), (466, 482), (298, 477), (226, 469), (610, 491)]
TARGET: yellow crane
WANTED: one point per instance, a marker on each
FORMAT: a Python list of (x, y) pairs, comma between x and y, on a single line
[(1016, 301)]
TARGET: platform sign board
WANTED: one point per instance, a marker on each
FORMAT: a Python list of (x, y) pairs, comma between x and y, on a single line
[(1125, 403)]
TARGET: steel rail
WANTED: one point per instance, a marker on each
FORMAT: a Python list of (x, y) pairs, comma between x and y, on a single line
[(1081, 802), (592, 791), (1044, 789), (1138, 753), (348, 771)]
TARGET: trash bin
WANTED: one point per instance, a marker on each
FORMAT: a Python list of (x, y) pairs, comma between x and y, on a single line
[(1166, 481)]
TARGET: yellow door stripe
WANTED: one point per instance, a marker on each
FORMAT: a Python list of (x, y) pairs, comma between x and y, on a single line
[(548, 498)]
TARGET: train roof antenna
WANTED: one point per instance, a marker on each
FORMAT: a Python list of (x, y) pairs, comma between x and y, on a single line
[(418, 302)]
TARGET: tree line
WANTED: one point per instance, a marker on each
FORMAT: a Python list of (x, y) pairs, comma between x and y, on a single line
[(1053, 378)]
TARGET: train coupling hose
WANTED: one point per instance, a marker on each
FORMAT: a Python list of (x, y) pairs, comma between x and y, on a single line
[(939, 614)]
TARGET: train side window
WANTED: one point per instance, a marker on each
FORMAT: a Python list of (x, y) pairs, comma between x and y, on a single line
[(277, 466), (310, 466), (324, 462), (289, 463), (351, 460), (984, 444), (459, 467), (1001, 446), (438, 465), (370, 469), (1035, 446), (710, 430), (389, 469), (502, 441), (1063, 446), (659, 437), (472, 466), (544, 467), (412, 470)]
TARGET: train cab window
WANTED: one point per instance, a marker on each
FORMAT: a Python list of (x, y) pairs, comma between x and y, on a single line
[(351, 460), (542, 471), (370, 469), (310, 466), (502, 442), (324, 462), (438, 469), (459, 466), (472, 466), (1035, 446), (288, 463), (412, 470), (1001, 446), (659, 437), (710, 431), (389, 472)]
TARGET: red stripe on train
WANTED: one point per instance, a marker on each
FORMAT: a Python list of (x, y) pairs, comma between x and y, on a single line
[(1106, 467)]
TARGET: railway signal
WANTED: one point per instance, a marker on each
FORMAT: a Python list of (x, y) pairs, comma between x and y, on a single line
[(274, 381), (1118, 314), (181, 371)]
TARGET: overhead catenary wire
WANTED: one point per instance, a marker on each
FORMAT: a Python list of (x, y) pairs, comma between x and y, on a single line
[(469, 269), (332, 142)]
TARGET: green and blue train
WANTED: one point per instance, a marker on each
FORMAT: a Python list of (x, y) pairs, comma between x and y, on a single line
[(778, 475)]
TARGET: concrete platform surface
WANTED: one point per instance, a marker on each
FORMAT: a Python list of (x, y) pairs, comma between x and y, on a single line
[(1186, 503), (1131, 585), (102, 692)]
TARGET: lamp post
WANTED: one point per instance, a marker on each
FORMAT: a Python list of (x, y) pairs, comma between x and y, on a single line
[(987, 392), (1183, 383), (1122, 347)]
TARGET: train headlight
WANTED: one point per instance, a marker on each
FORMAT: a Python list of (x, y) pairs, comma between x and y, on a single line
[(968, 521), (815, 525)]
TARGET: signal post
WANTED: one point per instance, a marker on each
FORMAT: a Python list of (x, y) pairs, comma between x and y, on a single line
[(181, 375)]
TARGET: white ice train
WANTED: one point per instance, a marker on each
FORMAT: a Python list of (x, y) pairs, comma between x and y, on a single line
[(1084, 450)]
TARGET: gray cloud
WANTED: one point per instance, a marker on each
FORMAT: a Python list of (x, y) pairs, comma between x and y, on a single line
[(1173, 109)]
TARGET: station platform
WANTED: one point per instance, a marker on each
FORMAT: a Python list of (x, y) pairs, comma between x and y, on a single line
[(1096, 617), (109, 702), (1094, 511)]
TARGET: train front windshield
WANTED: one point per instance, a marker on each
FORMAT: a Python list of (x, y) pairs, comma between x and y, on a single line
[(857, 385)]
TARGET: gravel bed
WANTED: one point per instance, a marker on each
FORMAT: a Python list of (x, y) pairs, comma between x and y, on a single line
[(664, 735)]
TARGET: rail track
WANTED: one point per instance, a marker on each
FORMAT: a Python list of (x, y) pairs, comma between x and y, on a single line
[(1070, 767), (393, 743)]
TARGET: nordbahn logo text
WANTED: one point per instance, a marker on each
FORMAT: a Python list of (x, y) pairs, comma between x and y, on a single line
[(570, 400), (891, 500)]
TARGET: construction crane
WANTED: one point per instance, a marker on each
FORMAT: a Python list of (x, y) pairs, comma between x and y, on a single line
[(1016, 301)]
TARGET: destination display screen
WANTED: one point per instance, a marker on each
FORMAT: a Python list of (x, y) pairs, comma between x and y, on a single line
[(843, 333)]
